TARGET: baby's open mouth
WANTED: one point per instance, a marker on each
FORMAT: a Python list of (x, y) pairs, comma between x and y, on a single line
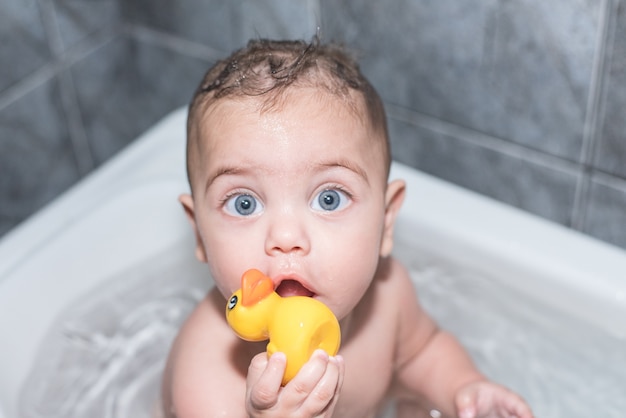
[(290, 287)]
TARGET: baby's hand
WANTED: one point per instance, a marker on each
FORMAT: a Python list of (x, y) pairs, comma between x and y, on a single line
[(313, 392), (485, 399)]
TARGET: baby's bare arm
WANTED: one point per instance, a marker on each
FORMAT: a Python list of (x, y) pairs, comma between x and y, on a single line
[(438, 372), (431, 364), (434, 367)]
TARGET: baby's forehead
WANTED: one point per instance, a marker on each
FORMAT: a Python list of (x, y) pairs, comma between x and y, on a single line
[(228, 113), (310, 111)]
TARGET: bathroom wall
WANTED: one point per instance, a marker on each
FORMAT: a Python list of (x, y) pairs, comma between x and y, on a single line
[(520, 100)]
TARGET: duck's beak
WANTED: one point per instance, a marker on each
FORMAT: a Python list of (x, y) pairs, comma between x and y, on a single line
[(255, 286)]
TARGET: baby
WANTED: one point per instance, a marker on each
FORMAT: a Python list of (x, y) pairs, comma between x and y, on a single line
[(288, 159)]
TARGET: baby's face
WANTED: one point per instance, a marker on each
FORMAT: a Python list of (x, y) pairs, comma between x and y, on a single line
[(297, 192)]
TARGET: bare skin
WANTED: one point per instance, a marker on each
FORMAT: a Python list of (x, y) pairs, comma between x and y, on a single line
[(283, 161)]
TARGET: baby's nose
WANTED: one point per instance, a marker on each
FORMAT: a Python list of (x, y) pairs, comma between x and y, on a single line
[(287, 233)]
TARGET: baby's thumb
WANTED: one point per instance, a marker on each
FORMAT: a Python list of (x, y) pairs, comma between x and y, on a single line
[(466, 400)]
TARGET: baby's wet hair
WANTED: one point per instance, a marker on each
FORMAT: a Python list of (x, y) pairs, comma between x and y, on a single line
[(266, 69)]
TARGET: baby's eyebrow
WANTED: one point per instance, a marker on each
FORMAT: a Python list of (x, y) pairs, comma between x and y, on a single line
[(243, 170), (224, 171), (347, 164)]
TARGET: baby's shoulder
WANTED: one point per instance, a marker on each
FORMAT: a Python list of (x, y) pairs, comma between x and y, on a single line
[(200, 328), (200, 358), (398, 286), (207, 315)]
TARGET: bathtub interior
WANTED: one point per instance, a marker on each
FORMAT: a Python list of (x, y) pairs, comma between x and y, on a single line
[(94, 287), (106, 353)]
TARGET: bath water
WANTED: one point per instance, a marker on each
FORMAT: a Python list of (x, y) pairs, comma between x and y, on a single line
[(105, 354)]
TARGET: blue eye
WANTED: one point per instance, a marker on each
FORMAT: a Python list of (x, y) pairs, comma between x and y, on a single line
[(330, 200), (243, 205)]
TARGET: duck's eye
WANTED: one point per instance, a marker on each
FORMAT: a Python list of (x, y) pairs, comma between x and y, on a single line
[(232, 302)]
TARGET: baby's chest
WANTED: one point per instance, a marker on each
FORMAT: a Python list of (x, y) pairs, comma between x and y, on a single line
[(364, 391)]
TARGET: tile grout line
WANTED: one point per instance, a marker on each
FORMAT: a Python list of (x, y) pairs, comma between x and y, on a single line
[(27, 84), (170, 41), (591, 134), (482, 140), (52, 68), (81, 150), (50, 27), (609, 180)]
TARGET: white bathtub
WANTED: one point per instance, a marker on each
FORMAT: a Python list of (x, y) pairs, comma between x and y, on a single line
[(93, 287)]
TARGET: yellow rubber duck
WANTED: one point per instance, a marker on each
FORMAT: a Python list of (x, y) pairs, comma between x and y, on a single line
[(295, 325)]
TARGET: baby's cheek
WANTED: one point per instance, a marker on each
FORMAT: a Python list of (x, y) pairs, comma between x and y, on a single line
[(349, 291), (226, 278)]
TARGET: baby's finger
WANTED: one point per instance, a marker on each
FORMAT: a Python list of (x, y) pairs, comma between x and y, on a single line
[(301, 386), (263, 381), (515, 406), (338, 360), (323, 395), (486, 399), (467, 401)]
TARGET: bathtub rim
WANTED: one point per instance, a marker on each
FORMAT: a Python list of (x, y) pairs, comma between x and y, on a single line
[(565, 268)]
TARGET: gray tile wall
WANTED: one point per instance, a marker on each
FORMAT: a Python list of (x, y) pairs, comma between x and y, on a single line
[(519, 100)]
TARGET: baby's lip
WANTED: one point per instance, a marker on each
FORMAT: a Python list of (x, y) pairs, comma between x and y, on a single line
[(292, 287)]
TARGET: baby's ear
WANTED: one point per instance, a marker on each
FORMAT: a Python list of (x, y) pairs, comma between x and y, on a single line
[(187, 201), (394, 196)]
